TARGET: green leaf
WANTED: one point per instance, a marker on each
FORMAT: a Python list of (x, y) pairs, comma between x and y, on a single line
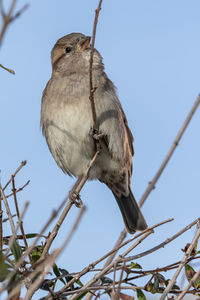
[(4, 268), (155, 285), (196, 284), (161, 279), (35, 255), (189, 272), (135, 266), (82, 295), (79, 283), (140, 295), (57, 273), (175, 287), (13, 283), (149, 286), (16, 250), (105, 279), (28, 236), (65, 272)]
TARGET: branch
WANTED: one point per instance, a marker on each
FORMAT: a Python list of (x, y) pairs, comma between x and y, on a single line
[(75, 190), (152, 183)]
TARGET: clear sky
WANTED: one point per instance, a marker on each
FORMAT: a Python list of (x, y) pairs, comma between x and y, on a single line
[(151, 53)]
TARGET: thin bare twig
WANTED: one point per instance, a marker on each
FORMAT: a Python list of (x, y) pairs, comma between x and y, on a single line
[(92, 91), (7, 69), (117, 246), (92, 88), (9, 17), (120, 282), (133, 238), (183, 262), (17, 227), (81, 212), (23, 163), (1, 227), (17, 211), (8, 211), (19, 189), (19, 219)]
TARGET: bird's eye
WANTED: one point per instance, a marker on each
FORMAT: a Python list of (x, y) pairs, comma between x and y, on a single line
[(68, 49)]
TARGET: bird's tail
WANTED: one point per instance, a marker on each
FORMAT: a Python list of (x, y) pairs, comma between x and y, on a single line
[(131, 212)]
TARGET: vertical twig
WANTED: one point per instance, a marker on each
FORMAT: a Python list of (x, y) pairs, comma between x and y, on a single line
[(1, 226), (92, 88), (17, 227), (8, 212), (117, 296), (19, 219), (17, 211), (183, 262)]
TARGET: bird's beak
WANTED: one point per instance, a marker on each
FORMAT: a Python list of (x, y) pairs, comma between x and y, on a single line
[(84, 43)]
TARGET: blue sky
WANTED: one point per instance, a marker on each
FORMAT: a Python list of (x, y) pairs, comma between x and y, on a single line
[(151, 53)]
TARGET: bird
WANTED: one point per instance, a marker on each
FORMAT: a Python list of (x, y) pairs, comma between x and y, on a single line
[(66, 121)]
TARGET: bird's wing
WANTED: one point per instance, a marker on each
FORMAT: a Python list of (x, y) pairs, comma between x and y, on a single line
[(113, 124)]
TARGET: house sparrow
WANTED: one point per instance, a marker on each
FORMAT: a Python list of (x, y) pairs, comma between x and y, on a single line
[(66, 121)]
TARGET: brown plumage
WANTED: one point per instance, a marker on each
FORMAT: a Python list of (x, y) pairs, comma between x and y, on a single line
[(66, 121)]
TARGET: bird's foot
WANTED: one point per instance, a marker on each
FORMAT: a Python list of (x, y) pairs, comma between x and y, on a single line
[(96, 135), (76, 199)]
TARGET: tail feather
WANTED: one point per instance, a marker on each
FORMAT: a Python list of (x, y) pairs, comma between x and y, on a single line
[(131, 213)]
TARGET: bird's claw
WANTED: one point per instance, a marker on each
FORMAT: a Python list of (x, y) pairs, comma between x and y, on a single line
[(75, 198), (96, 135)]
